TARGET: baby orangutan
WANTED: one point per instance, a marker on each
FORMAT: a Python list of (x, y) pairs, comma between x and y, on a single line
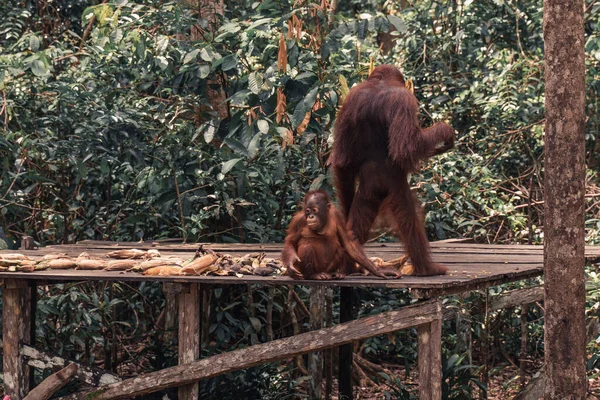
[(317, 245)]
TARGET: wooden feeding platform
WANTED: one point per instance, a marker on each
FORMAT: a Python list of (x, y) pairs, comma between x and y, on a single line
[(471, 267)]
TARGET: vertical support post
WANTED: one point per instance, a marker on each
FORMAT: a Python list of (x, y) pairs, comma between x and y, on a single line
[(345, 358), (523, 356), (16, 331), (171, 292), (33, 298), (269, 322), (315, 360), (464, 342), (485, 344), (189, 334), (430, 358), (27, 243), (328, 361), (206, 291)]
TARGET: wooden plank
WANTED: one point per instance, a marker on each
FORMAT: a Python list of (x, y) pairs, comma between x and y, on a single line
[(347, 313), (387, 322), (479, 283), (458, 276), (394, 246), (430, 359), (90, 375), (189, 334), (444, 258), (16, 319), (170, 243), (53, 383), (277, 249), (517, 297), (383, 247)]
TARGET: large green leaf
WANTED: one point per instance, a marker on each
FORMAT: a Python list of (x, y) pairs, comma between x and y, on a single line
[(191, 56), (398, 23), (38, 68), (228, 165)]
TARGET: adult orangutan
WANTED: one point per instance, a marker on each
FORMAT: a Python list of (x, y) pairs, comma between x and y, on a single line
[(379, 141), (317, 245)]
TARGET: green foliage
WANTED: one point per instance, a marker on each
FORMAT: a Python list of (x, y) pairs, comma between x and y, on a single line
[(397, 389), (127, 134), (457, 379)]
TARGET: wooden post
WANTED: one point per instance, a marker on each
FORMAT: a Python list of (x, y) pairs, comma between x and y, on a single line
[(16, 331), (315, 360), (33, 298), (328, 359), (189, 334), (345, 358), (27, 243), (430, 358), (523, 356), (485, 344), (171, 292), (205, 317), (464, 342)]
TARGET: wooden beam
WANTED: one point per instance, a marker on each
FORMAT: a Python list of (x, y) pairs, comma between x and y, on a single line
[(189, 334), (517, 297), (16, 331), (391, 321), (90, 375), (345, 356), (430, 358), (52, 384)]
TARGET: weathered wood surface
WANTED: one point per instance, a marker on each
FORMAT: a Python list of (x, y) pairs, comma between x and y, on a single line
[(459, 278), (189, 334), (517, 297), (347, 313), (470, 268), (436, 247), (52, 384), (414, 315), (91, 376), (430, 359), (16, 319), (315, 360)]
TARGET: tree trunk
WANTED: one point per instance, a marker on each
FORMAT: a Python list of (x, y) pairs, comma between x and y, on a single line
[(564, 200), (210, 13)]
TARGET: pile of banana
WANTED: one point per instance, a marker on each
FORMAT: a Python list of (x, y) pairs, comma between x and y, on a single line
[(149, 262)]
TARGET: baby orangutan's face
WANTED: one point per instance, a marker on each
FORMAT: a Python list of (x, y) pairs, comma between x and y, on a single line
[(316, 210)]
